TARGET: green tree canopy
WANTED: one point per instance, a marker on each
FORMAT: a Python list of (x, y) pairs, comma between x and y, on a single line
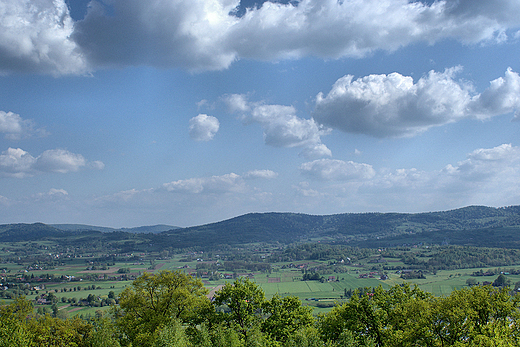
[(13, 328), (156, 300), (244, 299), (501, 281), (285, 316)]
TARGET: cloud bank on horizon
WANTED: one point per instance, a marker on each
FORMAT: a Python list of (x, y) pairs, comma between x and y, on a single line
[(188, 112)]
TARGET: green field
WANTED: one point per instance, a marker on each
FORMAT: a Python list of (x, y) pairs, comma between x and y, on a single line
[(283, 278)]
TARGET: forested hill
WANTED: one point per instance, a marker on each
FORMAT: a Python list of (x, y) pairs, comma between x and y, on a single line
[(142, 229), (26, 232), (290, 227), (468, 225)]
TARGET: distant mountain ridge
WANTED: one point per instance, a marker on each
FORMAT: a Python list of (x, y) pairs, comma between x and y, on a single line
[(154, 229), (291, 227), (468, 225), (25, 232)]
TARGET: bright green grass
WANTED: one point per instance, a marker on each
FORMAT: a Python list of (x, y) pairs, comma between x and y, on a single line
[(316, 289), (86, 311), (440, 284)]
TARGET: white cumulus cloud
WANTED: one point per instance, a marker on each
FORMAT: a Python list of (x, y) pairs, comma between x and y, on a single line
[(318, 150), (214, 184), (35, 36), (96, 165), (333, 29), (488, 162), (15, 127), (267, 174), (40, 36), (52, 195), (191, 201), (4, 201), (502, 96), (59, 160), (54, 191), (15, 162), (185, 33), (282, 128), (205, 35), (303, 189), (393, 105), (203, 127), (488, 176), (337, 170)]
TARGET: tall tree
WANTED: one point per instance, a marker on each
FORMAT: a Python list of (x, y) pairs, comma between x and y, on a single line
[(244, 299), (285, 316), (13, 319), (156, 300), (385, 318)]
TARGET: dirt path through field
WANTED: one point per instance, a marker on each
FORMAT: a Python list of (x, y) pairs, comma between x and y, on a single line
[(112, 270), (75, 309), (214, 290)]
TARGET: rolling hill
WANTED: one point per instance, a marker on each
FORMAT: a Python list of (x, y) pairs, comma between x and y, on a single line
[(159, 228), (472, 225), (349, 227)]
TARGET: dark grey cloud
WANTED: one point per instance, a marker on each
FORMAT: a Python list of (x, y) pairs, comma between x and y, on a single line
[(41, 36), (182, 33)]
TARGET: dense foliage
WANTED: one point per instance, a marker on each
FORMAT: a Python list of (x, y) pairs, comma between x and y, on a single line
[(171, 309), (363, 229), (322, 251), (452, 257)]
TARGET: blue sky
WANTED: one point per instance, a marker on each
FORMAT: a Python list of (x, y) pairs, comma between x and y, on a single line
[(183, 112)]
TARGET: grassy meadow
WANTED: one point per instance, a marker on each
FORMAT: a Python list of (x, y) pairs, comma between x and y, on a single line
[(284, 278)]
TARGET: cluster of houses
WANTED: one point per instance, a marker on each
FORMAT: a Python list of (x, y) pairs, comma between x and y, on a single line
[(227, 276), (374, 274), (35, 267), (6, 286), (295, 266), (42, 300)]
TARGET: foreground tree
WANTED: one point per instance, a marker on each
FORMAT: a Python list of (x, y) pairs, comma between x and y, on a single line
[(55, 332), (172, 335), (405, 316), (479, 316), (242, 307), (391, 317), (13, 323), (244, 300), (501, 281), (103, 334), (156, 301), (284, 317), (170, 309)]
